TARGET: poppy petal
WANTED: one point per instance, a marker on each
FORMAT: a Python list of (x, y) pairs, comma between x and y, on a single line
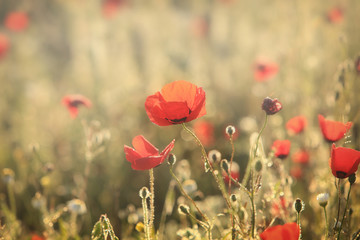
[(130, 154), (344, 161), (333, 130), (198, 109), (144, 147), (147, 162), (176, 112), (167, 149), (180, 91), (154, 111), (288, 231)]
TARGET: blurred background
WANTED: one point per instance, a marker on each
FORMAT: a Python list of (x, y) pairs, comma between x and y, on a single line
[(117, 52)]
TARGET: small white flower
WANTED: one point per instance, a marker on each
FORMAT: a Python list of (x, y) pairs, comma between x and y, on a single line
[(322, 199)]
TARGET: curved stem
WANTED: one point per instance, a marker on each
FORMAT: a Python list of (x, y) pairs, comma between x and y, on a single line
[(253, 155), (343, 218), (207, 163), (146, 219), (231, 214)]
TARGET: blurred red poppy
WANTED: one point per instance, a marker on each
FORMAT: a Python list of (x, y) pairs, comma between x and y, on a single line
[(205, 132), (343, 161), (111, 7), (16, 21), (235, 173), (144, 155), (335, 15), (357, 64), (288, 231), (296, 124), (4, 45), (301, 156), (177, 102), (281, 148), (279, 207), (200, 27), (37, 237), (271, 106), (296, 172), (332, 130), (264, 70), (72, 102)]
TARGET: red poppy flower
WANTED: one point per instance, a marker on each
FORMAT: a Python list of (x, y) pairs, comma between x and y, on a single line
[(144, 155), (205, 132), (301, 156), (288, 231), (177, 102), (37, 237), (16, 21), (279, 207), (332, 130), (200, 27), (296, 172), (72, 102), (335, 15), (4, 45), (296, 124), (343, 161), (281, 148), (235, 173), (111, 7), (271, 106), (264, 70)]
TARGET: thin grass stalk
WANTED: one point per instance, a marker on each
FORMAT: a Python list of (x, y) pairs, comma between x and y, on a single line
[(343, 218)]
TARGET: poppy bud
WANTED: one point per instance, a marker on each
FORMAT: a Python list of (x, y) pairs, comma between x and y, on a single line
[(172, 159), (233, 197), (322, 199), (352, 179), (8, 175), (184, 209), (214, 156), (225, 165), (230, 130), (299, 205), (271, 106), (258, 166), (144, 192)]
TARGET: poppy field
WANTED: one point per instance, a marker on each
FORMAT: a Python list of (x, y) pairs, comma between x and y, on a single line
[(179, 119)]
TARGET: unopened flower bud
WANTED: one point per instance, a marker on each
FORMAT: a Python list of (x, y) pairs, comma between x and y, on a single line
[(8, 175), (352, 179), (258, 166), (214, 156), (172, 159), (144, 192), (299, 205), (225, 165), (230, 130), (323, 199), (233, 197), (271, 106), (184, 209)]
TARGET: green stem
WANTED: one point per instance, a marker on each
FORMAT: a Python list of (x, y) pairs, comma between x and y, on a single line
[(11, 198), (207, 163), (326, 224), (146, 219), (187, 196), (253, 215), (233, 235), (343, 218), (152, 197), (253, 155), (298, 223), (339, 197)]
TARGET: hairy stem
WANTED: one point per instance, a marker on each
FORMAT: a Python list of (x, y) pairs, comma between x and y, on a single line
[(326, 224), (146, 219), (253, 155), (152, 197), (343, 218)]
